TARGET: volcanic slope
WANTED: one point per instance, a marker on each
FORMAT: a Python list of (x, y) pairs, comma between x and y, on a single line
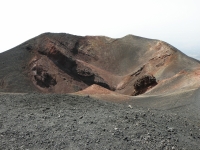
[(64, 63), (157, 85)]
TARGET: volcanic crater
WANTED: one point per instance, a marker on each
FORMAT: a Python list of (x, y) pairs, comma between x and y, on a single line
[(129, 66)]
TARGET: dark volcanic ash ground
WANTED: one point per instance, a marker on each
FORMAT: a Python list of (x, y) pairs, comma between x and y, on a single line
[(50, 121)]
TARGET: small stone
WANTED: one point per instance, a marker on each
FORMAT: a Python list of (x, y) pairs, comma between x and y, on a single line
[(129, 106), (169, 137), (170, 129)]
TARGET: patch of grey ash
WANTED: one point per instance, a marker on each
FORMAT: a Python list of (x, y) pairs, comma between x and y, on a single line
[(50, 121)]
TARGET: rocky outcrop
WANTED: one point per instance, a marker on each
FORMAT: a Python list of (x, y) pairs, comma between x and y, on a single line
[(57, 66), (143, 84), (43, 78)]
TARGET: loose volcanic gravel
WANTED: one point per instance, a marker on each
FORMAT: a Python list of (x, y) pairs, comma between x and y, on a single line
[(50, 121)]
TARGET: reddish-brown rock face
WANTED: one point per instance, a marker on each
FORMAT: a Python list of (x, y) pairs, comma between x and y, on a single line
[(64, 63), (143, 84)]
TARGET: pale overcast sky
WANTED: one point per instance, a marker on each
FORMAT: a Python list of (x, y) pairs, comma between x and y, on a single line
[(174, 21)]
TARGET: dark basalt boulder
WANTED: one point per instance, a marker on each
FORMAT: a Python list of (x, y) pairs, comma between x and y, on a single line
[(143, 84)]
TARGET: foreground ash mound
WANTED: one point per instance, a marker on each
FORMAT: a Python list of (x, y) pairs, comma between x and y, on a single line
[(128, 66)]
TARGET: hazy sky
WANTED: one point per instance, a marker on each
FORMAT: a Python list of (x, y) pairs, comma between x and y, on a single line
[(174, 21)]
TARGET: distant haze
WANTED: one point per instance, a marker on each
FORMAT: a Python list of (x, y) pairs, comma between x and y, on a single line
[(176, 22)]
